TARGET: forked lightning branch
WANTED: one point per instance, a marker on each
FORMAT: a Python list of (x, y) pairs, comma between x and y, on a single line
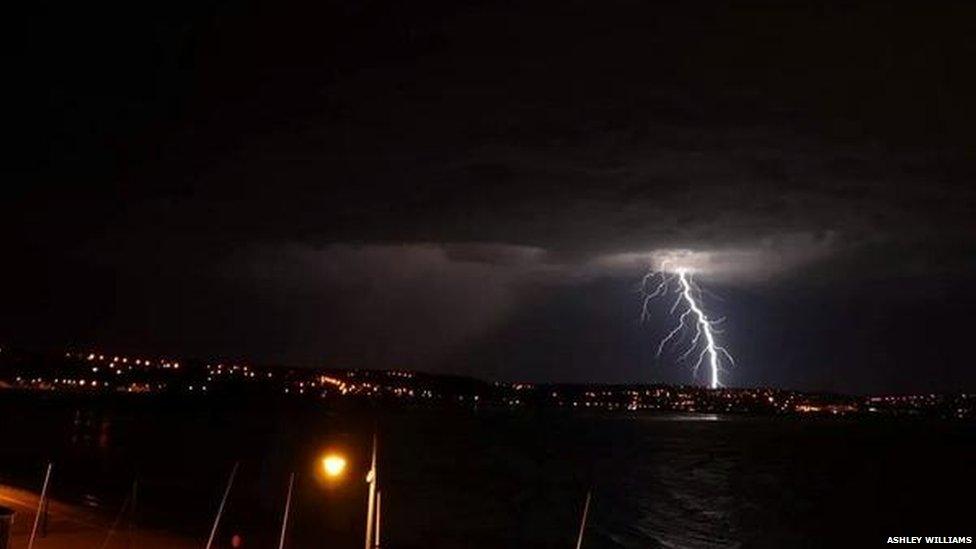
[(688, 299)]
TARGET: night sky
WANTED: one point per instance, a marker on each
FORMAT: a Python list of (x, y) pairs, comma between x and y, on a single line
[(476, 187)]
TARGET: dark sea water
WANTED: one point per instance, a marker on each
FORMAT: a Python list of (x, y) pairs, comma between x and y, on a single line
[(501, 479)]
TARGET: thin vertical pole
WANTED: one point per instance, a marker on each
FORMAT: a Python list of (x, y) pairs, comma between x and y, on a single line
[(118, 518), (371, 499), (44, 517), (379, 500), (132, 510), (223, 501), (284, 520), (586, 510), (40, 506)]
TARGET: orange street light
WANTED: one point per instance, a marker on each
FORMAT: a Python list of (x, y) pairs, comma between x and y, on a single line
[(333, 465)]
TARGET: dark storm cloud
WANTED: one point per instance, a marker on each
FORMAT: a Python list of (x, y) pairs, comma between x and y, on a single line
[(372, 181), (578, 129), (740, 189), (495, 254)]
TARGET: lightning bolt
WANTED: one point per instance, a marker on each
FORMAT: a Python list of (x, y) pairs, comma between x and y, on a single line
[(688, 294)]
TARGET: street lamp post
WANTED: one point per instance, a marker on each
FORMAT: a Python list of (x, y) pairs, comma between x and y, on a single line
[(379, 500), (371, 503)]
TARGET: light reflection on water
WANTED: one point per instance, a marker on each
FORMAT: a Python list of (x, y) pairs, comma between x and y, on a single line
[(684, 417)]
